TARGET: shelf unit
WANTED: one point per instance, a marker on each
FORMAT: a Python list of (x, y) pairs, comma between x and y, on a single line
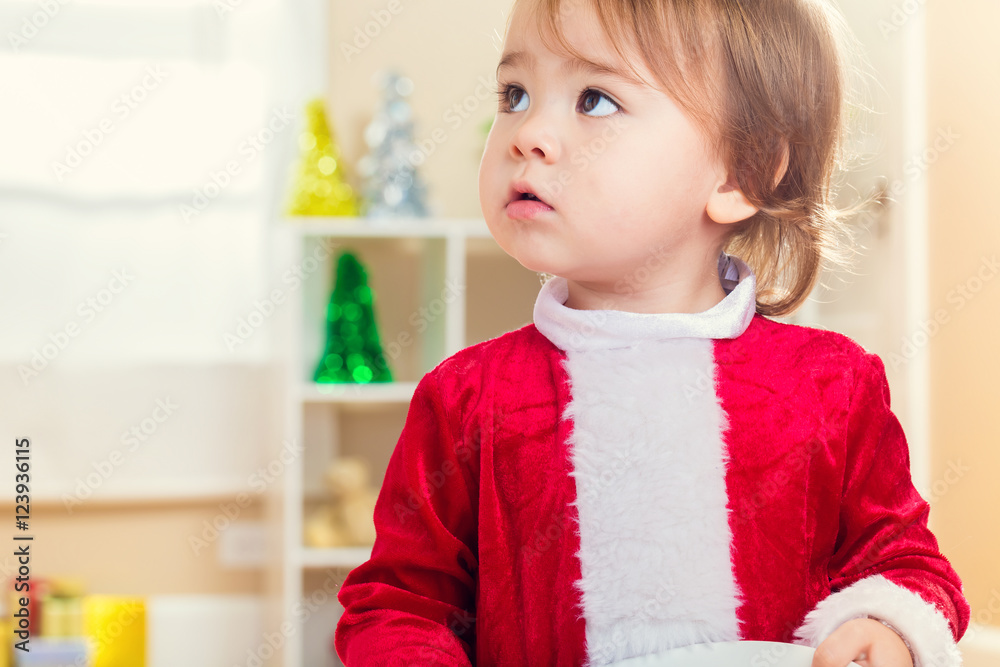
[(429, 257), (431, 261)]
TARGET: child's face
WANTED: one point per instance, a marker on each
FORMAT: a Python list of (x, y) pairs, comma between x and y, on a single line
[(624, 173)]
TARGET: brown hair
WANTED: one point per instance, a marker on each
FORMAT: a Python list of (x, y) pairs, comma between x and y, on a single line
[(776, 77)]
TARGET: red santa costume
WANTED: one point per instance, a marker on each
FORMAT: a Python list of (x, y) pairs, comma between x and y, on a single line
[(601, 484)]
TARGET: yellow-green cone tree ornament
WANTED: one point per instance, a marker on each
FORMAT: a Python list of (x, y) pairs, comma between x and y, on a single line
[(321, 185)]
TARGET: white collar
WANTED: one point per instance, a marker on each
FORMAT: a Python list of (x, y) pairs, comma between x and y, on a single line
[(575, 330)]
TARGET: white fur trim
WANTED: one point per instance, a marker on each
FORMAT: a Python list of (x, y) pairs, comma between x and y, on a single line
[(918, 621), (580, 330), (649, 464)]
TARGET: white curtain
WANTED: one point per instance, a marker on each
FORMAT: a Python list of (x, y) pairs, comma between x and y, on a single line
[(145, 150)]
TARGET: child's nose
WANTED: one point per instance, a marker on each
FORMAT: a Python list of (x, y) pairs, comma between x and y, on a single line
[(534, 137)]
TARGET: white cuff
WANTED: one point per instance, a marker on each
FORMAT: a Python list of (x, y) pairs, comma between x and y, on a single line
[(919, 622)]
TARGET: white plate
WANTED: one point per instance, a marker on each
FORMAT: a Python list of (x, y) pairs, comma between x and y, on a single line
[(728, 654)]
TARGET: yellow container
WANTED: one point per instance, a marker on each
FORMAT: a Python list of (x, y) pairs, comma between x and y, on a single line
[(116, 628), (6, 630), (62, 608), (53, 616)]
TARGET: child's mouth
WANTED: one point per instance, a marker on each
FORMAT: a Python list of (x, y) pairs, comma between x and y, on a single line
[(527, 207), (523, 203), (524, 191)]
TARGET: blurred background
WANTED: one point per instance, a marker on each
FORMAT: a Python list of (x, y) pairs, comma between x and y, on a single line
[(163, 310)]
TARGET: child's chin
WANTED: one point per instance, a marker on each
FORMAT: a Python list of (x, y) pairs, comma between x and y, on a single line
[(532, 264)]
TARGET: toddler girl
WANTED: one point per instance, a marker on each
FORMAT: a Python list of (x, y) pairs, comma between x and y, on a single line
[(653, 462)]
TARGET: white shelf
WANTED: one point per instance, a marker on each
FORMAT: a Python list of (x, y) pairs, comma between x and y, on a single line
[(376, 392), (320, 414), (390, 227), (349, 557)]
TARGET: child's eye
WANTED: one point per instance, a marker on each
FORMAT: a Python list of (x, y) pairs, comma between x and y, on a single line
[(505, 98), (594, 99)]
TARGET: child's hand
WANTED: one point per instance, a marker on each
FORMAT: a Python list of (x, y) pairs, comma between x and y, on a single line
[(865, 641)]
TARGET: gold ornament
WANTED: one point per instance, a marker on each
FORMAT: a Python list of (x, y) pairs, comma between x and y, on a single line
[(321, 187)]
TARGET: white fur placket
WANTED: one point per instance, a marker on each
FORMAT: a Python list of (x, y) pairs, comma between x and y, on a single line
[(649, 464)]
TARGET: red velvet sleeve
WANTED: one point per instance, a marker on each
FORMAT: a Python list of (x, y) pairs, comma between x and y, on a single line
[(886, 562), (413, 602)]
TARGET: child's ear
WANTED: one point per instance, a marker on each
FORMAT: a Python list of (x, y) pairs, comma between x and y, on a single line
[(783, 167), (727, 203)]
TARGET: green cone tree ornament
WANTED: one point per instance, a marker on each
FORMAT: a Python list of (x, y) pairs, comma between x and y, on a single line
[(353, 352)]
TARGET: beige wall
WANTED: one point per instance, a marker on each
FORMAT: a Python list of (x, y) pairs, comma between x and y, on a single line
[(450, 51), (134, 549), (963, 73)]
